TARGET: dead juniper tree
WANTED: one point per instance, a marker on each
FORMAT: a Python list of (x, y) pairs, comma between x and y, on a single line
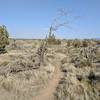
[(57, 23), (41, 52)]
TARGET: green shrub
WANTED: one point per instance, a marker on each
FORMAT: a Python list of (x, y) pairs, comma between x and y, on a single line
[(4, 35)]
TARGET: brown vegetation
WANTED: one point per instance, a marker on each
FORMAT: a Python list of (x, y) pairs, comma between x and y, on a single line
[(28, 70)]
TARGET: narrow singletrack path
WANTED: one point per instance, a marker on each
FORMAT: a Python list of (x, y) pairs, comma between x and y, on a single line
[(48, 92)]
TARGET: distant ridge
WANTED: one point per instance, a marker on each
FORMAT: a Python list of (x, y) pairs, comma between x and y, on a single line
[(97, 38)]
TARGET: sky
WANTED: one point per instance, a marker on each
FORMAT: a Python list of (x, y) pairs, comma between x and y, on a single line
[(32, 18)]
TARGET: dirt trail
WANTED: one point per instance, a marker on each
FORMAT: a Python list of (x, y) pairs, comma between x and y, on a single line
[(47, 93)]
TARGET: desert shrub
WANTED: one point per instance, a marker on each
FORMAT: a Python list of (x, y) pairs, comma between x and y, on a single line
[(86, 57), (82, 63), (89, 53), (52, 40), (98, 42), (92, 78), (80, 43), (4, 35), (76, 43), (84, 43), (79, 77), (69, 43), (58, 42)]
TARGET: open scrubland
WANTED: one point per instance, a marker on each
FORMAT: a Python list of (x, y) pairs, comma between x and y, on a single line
[(32, 70)]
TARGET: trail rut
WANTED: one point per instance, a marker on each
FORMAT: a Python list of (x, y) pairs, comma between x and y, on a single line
[(48, 92)]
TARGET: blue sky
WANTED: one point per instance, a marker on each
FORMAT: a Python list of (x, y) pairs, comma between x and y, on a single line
[(32, 18)]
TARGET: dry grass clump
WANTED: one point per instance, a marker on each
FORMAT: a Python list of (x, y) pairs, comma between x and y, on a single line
[(7, 85), (4, 63), (66, 60)]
